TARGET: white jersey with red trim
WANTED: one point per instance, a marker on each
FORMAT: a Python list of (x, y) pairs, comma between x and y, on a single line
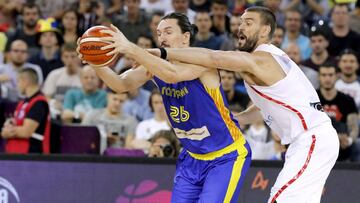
[(291, 105)]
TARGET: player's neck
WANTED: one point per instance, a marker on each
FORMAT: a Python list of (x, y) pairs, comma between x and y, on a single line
[(328, 94)]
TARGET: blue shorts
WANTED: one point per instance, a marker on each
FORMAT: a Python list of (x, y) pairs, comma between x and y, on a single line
[(211, 181)]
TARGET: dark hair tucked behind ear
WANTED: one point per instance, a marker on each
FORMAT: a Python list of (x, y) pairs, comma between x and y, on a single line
[(267, 17), (184, 24)]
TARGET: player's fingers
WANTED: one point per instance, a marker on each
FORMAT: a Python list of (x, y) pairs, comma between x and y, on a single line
[(112, 52), (78, 41), (110, 32), (114, 28), (107, 39), (108, 46)]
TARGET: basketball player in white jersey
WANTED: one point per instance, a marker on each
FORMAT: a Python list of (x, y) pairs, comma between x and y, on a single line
[(282, 96)]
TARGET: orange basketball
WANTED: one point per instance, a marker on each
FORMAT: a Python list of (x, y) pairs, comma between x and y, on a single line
[(90, 47)]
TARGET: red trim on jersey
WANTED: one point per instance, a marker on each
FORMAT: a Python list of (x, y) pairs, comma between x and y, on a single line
[(299, 173), (284, 105)]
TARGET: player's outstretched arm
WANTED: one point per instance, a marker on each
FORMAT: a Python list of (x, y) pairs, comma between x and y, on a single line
[(228, 60), (249, 116), (169, 72), (130, 79)]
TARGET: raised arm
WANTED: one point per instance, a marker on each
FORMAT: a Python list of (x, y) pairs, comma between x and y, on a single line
[(169, 72), (228, 60)]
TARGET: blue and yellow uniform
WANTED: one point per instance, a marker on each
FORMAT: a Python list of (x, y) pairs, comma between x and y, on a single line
[(216, 156)]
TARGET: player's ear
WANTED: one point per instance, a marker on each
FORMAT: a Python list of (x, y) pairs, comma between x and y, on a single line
[(266, 30), (186, 36)]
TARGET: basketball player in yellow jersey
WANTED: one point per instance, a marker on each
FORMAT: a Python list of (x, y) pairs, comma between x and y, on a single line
[(216, 156)]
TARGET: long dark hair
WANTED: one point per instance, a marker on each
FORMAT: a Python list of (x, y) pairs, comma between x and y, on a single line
[(184, 24)]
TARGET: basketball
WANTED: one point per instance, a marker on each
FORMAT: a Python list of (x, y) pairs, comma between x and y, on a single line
[(90, 47)]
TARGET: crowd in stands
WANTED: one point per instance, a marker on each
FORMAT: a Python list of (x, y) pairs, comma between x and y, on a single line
[(41, 74)]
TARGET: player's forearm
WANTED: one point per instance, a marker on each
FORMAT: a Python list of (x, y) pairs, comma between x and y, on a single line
[(155, 65), (198, 56), (112, 80), (23, 132), (249, 116)]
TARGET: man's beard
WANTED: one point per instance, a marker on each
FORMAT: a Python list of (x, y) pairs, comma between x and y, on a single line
[(31, 24), (250, 44), (18, 64)]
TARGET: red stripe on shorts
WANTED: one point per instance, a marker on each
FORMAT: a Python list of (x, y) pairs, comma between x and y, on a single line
[(284, 105), (299, 173)]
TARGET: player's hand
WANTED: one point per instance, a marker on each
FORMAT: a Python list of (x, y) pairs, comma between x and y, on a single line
[(119, 42), (78, 50)]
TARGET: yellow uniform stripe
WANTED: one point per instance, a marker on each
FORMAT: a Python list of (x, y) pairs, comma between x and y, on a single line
[(235, 132), (235, 176), (219, 153)]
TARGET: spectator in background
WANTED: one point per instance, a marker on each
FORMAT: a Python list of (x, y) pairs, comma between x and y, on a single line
[(348, 82), (79, 101), (237, 101), (278, 36), (18, 56), (231, 42), (164, 144), (31, 14), (342, 36), (89, 12), (293, 35), (220, 17), (51, 8), (137, 104), (354, 21), (119, 127), (200, 5), (152, 6), (239, 7), (29, 131), (293, 51), (341, 108), (116, 7), (259, 137), (274, 6), (204, 38), (320, 55), (147, 128), (182, 6), (134, 21), (50, 40), (154, 22), (69, 22), (311, 10), (63, 79), (145, 42)]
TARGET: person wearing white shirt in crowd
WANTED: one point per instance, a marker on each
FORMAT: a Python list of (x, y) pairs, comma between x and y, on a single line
[(62, 79), (348, 82), (147, 128), (151, 6)]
